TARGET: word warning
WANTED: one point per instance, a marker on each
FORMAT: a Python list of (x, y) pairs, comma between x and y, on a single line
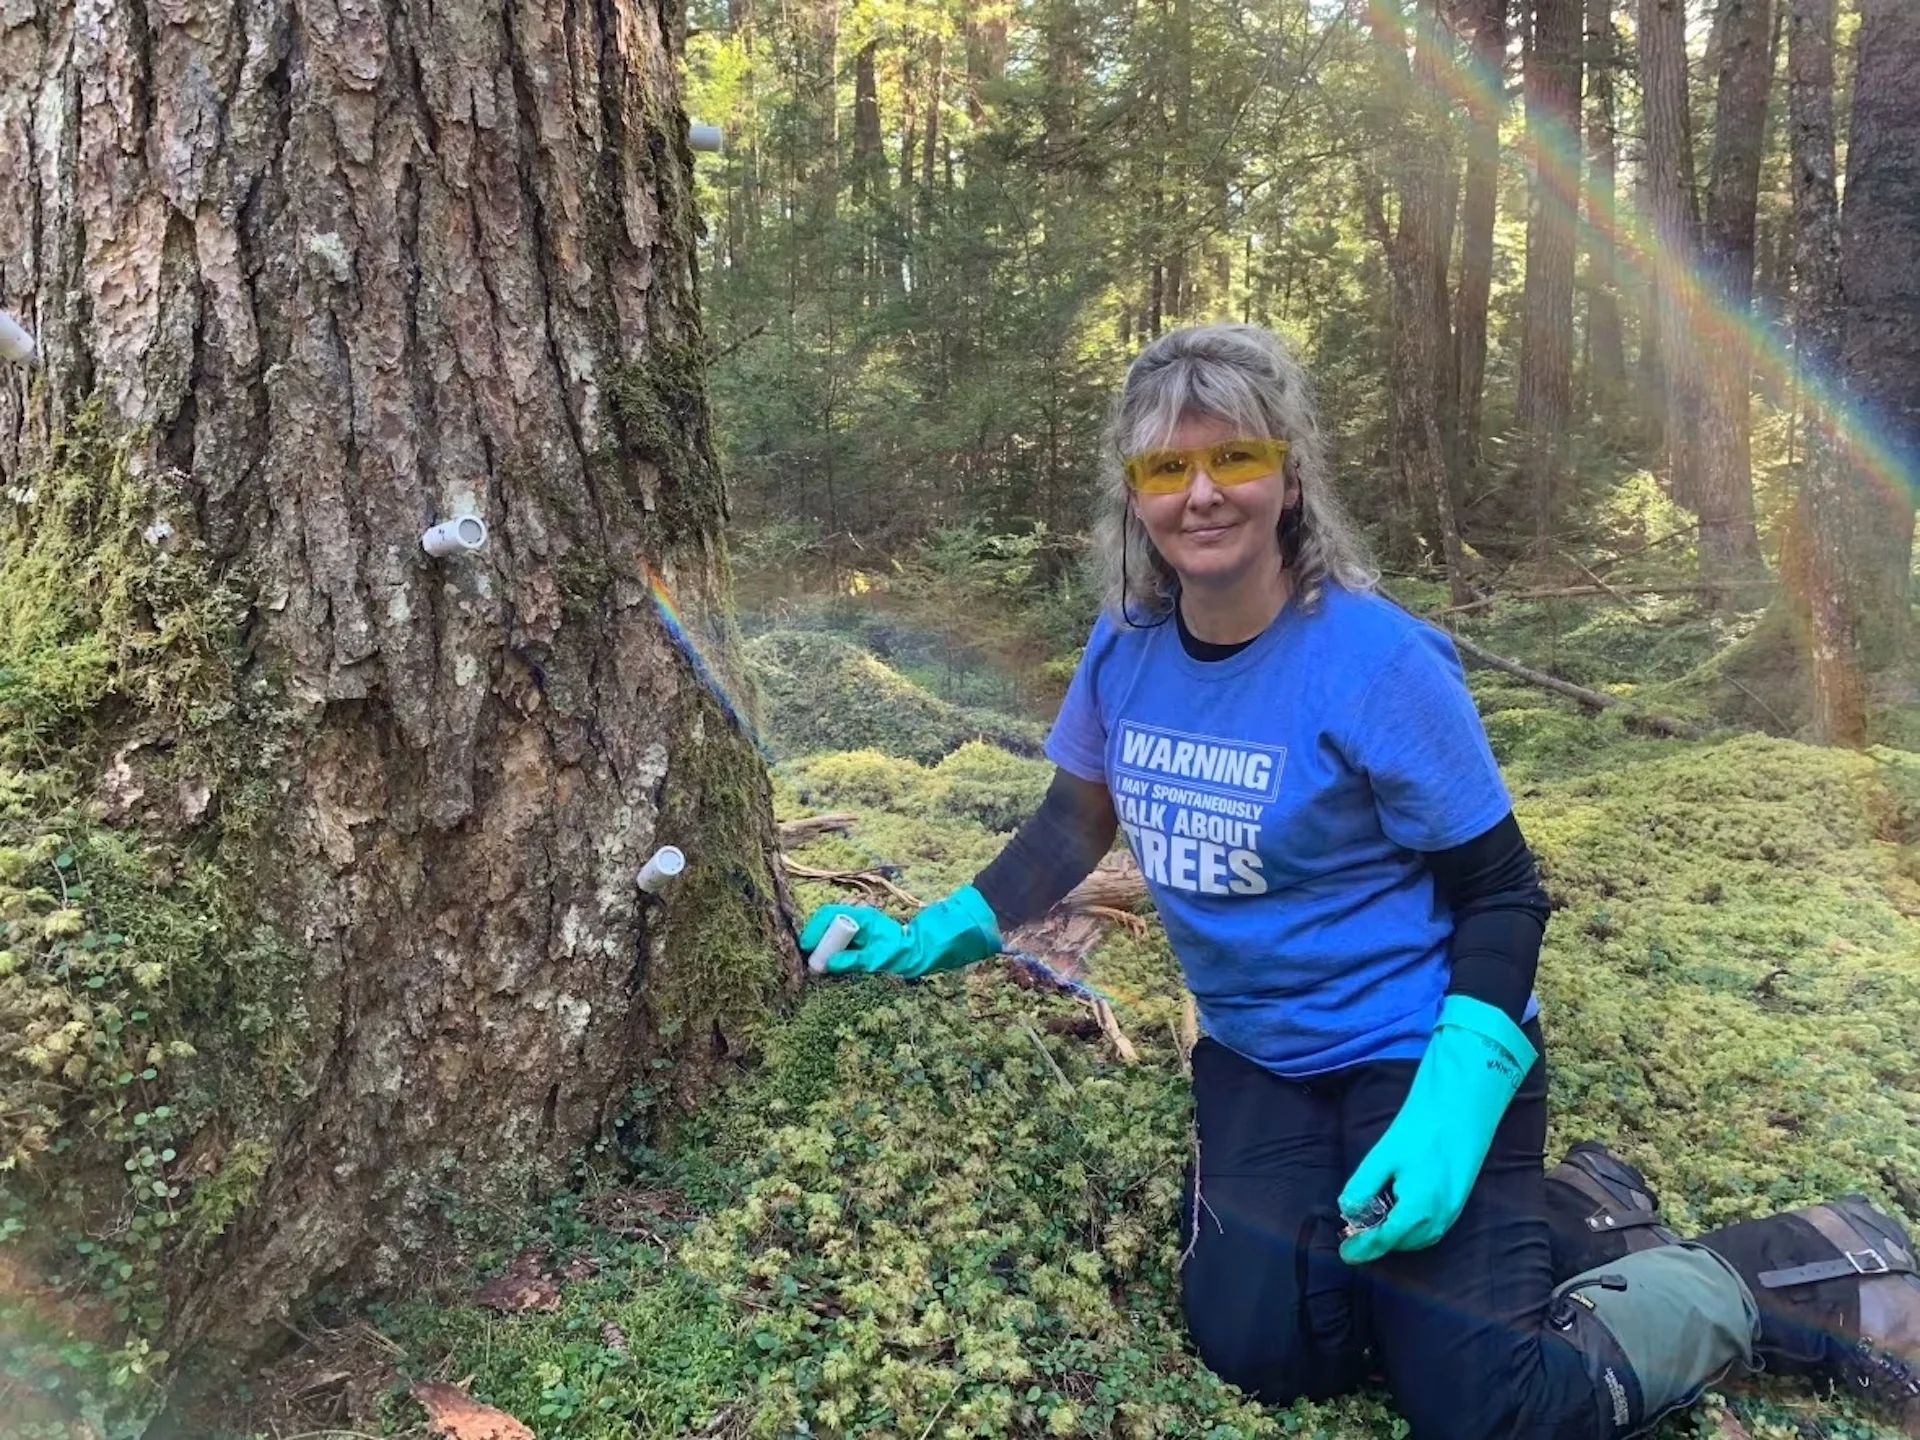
[(1192, 805)]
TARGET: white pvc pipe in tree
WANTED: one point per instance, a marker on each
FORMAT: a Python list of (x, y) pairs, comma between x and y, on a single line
[(456, 536), (662, 868), (16, 344)]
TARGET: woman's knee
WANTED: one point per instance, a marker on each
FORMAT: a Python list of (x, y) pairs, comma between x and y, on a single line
[(1273, 1362), (1277, 1324)]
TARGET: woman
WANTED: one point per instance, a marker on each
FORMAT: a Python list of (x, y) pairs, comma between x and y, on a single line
[(1302, 776)]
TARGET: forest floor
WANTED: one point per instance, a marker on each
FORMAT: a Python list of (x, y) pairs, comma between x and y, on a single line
[(948, 1208)]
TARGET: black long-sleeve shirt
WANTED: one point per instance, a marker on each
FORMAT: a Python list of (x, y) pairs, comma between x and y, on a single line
[(1490, 883)]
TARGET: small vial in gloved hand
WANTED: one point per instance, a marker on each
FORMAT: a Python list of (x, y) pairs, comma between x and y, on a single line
[(1368, 1215), (839, 935)]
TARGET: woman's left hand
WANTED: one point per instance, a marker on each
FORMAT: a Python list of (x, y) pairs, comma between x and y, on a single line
[(1431, 1167), (1432, 1152)]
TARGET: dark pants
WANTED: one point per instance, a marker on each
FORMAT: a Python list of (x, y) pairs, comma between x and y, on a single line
[(1457, 1330)]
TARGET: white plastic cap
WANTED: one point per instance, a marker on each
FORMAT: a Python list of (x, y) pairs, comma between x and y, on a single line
[(664, 867), (15, 343), (456, 536), (839, 935)]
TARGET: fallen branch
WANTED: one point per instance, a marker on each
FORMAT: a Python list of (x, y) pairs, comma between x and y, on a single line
[(812, 827), (1613, 560), (870, 881), (1656, 724), (1617, 592), (1060, 941), (1116, 884)]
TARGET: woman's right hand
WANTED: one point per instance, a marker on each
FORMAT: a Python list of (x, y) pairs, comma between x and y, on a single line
[(880, 938), (946, 935)]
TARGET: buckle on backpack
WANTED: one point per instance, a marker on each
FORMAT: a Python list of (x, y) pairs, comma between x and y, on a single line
[(1868, 1262)]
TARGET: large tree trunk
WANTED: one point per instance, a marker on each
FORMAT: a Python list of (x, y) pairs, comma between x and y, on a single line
[(1546, 338), (1606, 349), (1417, 260), (869, 164), (1673, 216), (1177, 236), (1857, 289), (1880, 278), (870, 173), (1816, 548), (1487, 20), (348, 270), (1729, 542)]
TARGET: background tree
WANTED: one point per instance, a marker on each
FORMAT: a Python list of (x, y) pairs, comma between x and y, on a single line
[(1858, 282), (306, 281), (1672, 231), (1606, 361), (1816, 541), (1547, 337), (1880, 278), (1729, 543), (1485, 21), (1416, 246)]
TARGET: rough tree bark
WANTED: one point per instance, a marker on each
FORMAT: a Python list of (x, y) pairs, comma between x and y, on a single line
[(1177, 108), (1880, 279), (1672, 238), (1606, 378), (1816, 544), (869, 165), (1424, 171), (1729, 540), (869, 188), (349, 269), (1486, 21), (1546, 337)]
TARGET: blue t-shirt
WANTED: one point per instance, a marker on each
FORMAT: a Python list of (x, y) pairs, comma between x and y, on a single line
[(1277, 800)]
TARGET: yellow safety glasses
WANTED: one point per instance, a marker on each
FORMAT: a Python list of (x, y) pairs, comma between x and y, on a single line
[(1227, 462)]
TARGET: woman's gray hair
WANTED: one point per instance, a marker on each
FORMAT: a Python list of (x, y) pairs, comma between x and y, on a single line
[(1247, 377)]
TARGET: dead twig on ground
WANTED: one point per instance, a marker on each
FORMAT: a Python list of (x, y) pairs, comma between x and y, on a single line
[(1785, 729), (1619, 595), (944, 1405), (1199, 1200), (1110, 1027), (1046, 1054), (870, 881)]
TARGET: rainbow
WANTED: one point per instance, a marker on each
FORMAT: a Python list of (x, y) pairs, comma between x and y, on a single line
[(704, 670), (1555, 156)]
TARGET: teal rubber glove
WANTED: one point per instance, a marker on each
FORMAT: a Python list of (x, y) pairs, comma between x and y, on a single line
[(946, 935), (1433, 1150)]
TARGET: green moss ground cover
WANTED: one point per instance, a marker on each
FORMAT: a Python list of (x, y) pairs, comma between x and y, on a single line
[(908, 1220)]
